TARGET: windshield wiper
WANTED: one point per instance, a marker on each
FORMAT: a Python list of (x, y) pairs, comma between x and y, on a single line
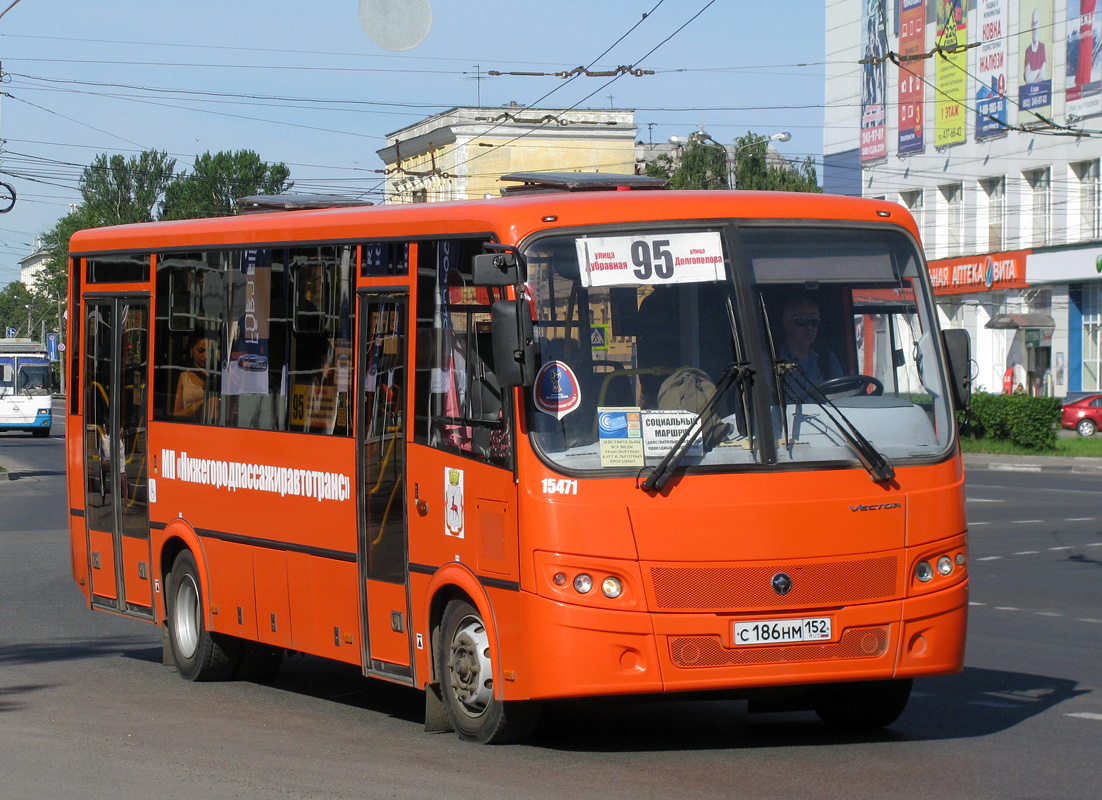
[(871, 459), (737, 372)]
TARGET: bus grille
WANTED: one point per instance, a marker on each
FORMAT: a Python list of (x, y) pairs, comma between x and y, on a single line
[(830, 583), (708, 651)]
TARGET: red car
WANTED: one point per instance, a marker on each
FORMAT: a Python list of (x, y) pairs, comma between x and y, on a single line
[(1083, 415)]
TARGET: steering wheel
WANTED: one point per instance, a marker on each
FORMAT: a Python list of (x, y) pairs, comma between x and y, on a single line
[(851, 386)]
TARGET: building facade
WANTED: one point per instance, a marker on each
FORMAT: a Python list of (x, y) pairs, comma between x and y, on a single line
[(463, 152), (984, 119)]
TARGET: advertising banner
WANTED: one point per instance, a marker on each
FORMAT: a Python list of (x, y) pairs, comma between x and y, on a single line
[(981, 273), (1084, 65), (1034, 45), (912, 42), (991, 69), (874, 84), (951, 74)]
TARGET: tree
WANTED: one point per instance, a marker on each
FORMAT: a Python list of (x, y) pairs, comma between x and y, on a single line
[(753, 171), (217, 181), (702, 165), (14, 299), (117, 190)]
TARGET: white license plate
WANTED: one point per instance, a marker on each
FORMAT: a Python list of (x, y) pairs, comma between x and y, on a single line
[(782, 631)]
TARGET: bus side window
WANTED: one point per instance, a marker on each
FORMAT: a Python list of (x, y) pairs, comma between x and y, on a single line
[(459, 404)]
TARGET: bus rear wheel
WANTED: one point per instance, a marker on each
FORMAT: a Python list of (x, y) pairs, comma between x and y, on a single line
[(466, 674), (198, 654), (863, 706)]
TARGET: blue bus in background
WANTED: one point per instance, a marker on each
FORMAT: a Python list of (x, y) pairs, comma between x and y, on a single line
[(25, 387)]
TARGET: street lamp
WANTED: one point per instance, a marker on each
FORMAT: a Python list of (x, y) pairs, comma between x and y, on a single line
[(783, 136), (703, 138)]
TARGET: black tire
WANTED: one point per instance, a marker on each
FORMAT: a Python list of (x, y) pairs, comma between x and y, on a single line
[(258, 662), (1086, 427), (198, 654), (466, 676), (40, 433), (863, 706)]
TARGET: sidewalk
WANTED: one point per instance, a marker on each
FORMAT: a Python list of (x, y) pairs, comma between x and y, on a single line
[(1077, 466)]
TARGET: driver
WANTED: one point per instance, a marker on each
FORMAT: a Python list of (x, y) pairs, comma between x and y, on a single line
[(801, 325)]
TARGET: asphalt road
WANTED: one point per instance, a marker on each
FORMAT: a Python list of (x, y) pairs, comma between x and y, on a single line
[(87, 710)]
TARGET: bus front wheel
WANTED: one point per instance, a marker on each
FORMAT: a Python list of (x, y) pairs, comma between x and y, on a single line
[(863, 706), (466, 674), (198, 654)]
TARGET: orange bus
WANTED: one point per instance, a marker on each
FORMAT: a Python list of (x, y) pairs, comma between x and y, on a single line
[(585, 439)]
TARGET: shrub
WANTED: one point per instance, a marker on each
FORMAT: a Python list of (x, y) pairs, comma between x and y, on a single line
[(1018, 418)]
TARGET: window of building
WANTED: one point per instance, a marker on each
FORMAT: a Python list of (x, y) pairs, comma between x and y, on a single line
[(953, 195), (1039, 181), (914, 203), (1086, 173), (1092, 338), (995, 189)]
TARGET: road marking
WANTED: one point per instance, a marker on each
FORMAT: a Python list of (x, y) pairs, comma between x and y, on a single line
[(1064, 547), (983, 500), (974, 524), (1006, 608), (1095, 544), (1088, 619), (1028, 553), (1079, 519), (993, 704), (974, 603), (1085, 715), (1047, 614), (1025, 521), (989, 558)]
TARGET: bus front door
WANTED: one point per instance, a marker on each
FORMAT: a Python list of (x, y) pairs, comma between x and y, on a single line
[(383, 527), (116, 356)]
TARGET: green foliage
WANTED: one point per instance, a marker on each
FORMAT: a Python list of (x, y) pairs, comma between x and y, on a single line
[(752, 169), (1029, 422), (217, 181), (117, 190)]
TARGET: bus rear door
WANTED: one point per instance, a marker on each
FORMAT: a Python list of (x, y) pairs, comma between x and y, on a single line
[(116, 354)]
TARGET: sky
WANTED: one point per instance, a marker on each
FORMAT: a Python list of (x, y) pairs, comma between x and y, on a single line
[(303, 82)]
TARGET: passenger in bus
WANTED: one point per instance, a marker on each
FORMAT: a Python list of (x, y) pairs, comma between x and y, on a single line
[(193, 399), (801, 320)]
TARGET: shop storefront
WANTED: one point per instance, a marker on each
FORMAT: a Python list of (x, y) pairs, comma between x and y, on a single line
[(1073, 277), (1010, 322)]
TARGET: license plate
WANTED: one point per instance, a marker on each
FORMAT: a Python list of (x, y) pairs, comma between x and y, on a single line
[(782, 631)]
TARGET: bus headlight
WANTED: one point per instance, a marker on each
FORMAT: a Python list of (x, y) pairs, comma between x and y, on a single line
[(945, 565), (612, 587), (924, 572), (583, 583)]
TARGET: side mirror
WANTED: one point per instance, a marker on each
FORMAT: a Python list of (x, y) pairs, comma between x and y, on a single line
[(495, 269), (514, 344), (958, 347)]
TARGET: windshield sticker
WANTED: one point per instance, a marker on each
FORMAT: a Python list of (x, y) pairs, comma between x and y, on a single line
[(556, 390), (662, 429), (646, 258), (453, 502), (621, 435)]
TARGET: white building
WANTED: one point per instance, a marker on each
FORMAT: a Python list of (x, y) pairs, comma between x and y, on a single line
[(994, 147), (30, 267)]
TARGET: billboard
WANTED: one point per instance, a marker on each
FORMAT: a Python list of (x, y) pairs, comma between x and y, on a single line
[(1034, 46), (991, 69), (1084, 65), (951, 74), (874, 84), (912, 73)]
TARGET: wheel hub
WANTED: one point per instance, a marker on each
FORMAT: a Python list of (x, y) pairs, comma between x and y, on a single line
[(470, 667)]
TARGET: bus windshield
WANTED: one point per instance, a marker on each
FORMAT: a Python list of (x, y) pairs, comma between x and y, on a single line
[(33, 379), (637, 328)]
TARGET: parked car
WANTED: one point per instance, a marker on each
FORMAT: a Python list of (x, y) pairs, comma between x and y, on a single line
[(1083, 415)]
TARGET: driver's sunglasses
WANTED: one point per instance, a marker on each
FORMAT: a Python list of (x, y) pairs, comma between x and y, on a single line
[(803, 322)]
